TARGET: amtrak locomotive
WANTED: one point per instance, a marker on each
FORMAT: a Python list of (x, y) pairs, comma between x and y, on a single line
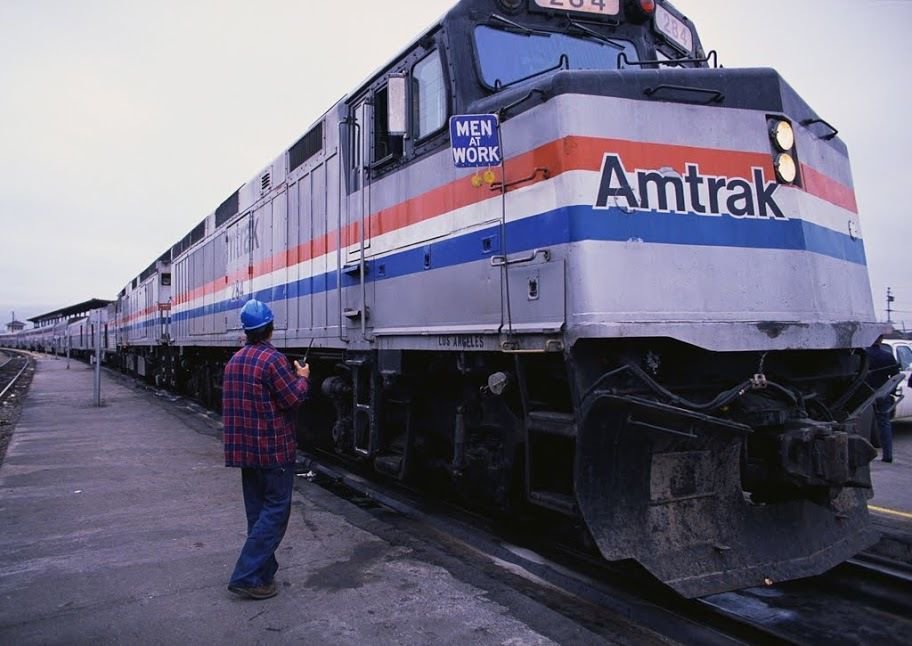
[(641, 316)]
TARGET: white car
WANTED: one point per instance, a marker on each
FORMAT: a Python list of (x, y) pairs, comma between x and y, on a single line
[(902, 350)]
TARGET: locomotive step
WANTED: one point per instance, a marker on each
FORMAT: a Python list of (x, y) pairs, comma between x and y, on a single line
[(552, 423)]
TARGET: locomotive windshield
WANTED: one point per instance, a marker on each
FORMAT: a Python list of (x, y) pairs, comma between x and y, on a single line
[(505, 57)]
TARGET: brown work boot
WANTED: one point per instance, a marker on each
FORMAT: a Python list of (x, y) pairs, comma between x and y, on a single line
[(265, 591)]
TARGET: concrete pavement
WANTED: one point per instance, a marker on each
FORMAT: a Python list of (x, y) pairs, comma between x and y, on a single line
[(120, 525)]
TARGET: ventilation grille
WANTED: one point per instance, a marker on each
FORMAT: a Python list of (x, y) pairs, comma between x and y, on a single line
[(265, 183), (226, 209), (306, 147), (148, 272), (198, 233)]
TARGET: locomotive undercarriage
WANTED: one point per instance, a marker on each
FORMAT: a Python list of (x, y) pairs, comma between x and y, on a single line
[(712, 470), (706, 455)]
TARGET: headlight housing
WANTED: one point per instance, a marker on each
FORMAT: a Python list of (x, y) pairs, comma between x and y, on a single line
[(783, 136), (784, 149), (786, 168)]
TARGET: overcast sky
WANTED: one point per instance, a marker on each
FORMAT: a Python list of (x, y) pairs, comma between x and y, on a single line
[(124, 122)]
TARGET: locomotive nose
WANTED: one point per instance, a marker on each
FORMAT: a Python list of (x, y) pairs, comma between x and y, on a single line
[(674, 490)]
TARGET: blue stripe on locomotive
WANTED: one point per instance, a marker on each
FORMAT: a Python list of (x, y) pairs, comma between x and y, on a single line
[(578, 224)]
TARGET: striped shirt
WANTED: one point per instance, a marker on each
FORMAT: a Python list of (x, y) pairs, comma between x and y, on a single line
[(259, 397)]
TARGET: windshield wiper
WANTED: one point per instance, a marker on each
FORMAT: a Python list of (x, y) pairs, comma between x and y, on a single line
[(563, 63), (594, 34), (527, 31)]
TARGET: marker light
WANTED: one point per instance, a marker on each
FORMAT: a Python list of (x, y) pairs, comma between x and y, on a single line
[(648, 6), (786, 168), (510, 5), (783, 135)]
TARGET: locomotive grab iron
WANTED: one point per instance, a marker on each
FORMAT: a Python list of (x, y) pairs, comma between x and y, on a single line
[(646, 316)]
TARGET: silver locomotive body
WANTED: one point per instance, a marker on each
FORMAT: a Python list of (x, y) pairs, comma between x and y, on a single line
[(650, 317)]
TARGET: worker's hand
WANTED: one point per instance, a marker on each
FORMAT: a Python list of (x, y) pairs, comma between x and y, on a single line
[(302, 371)]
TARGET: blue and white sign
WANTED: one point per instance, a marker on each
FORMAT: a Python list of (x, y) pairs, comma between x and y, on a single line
[(475, 140)]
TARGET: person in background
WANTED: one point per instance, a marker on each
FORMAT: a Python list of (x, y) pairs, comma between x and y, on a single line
[(881, 366), (260, 395)]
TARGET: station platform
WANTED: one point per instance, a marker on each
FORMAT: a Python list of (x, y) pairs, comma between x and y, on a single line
[(891, 506), (120, 524)]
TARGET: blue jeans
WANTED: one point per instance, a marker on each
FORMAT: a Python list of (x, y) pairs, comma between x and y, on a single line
[(267, 500), (884, 426)]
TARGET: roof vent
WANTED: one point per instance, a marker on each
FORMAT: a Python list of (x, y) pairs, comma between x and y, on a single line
[(306, 147)]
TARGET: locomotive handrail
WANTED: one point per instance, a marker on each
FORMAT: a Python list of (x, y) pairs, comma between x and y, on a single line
[(715, 96), (886, 389), (810, 122), (501, 261), (711, 56), (348, 121), (497, 186)]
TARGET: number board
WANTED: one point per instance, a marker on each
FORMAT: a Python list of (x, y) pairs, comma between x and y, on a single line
[(597, 7), (674, 29)]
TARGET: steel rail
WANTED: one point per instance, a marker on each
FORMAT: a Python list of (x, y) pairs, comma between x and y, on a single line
[(830, 606), (16, 378)]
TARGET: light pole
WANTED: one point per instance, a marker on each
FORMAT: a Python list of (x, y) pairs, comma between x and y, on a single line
[(98, 360)]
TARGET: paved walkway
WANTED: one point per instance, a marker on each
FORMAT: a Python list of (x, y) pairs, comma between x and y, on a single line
[(120, 525)]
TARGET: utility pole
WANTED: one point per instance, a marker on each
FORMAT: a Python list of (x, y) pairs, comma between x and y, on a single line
[(890, 300)]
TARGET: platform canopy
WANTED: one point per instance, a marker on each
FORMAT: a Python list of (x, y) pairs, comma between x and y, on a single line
[(69, 312)]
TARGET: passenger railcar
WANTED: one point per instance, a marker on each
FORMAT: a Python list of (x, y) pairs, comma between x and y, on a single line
[(645, 319), (81, 339)]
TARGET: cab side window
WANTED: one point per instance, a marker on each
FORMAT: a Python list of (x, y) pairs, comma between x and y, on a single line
[(429, 97)]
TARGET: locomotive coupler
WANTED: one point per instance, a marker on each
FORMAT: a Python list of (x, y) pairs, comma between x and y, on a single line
[(825, 454)]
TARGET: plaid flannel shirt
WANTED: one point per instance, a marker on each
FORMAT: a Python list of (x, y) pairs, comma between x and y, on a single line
[(259, 397)]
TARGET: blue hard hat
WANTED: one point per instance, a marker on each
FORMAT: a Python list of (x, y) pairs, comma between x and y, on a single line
[(255, 314)]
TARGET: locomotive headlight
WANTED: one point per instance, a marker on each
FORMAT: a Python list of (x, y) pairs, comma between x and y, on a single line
[(786, 168), (783, 135)]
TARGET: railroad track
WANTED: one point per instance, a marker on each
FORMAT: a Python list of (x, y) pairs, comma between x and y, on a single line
[(12, 366), (865, 600), (862, 601)]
